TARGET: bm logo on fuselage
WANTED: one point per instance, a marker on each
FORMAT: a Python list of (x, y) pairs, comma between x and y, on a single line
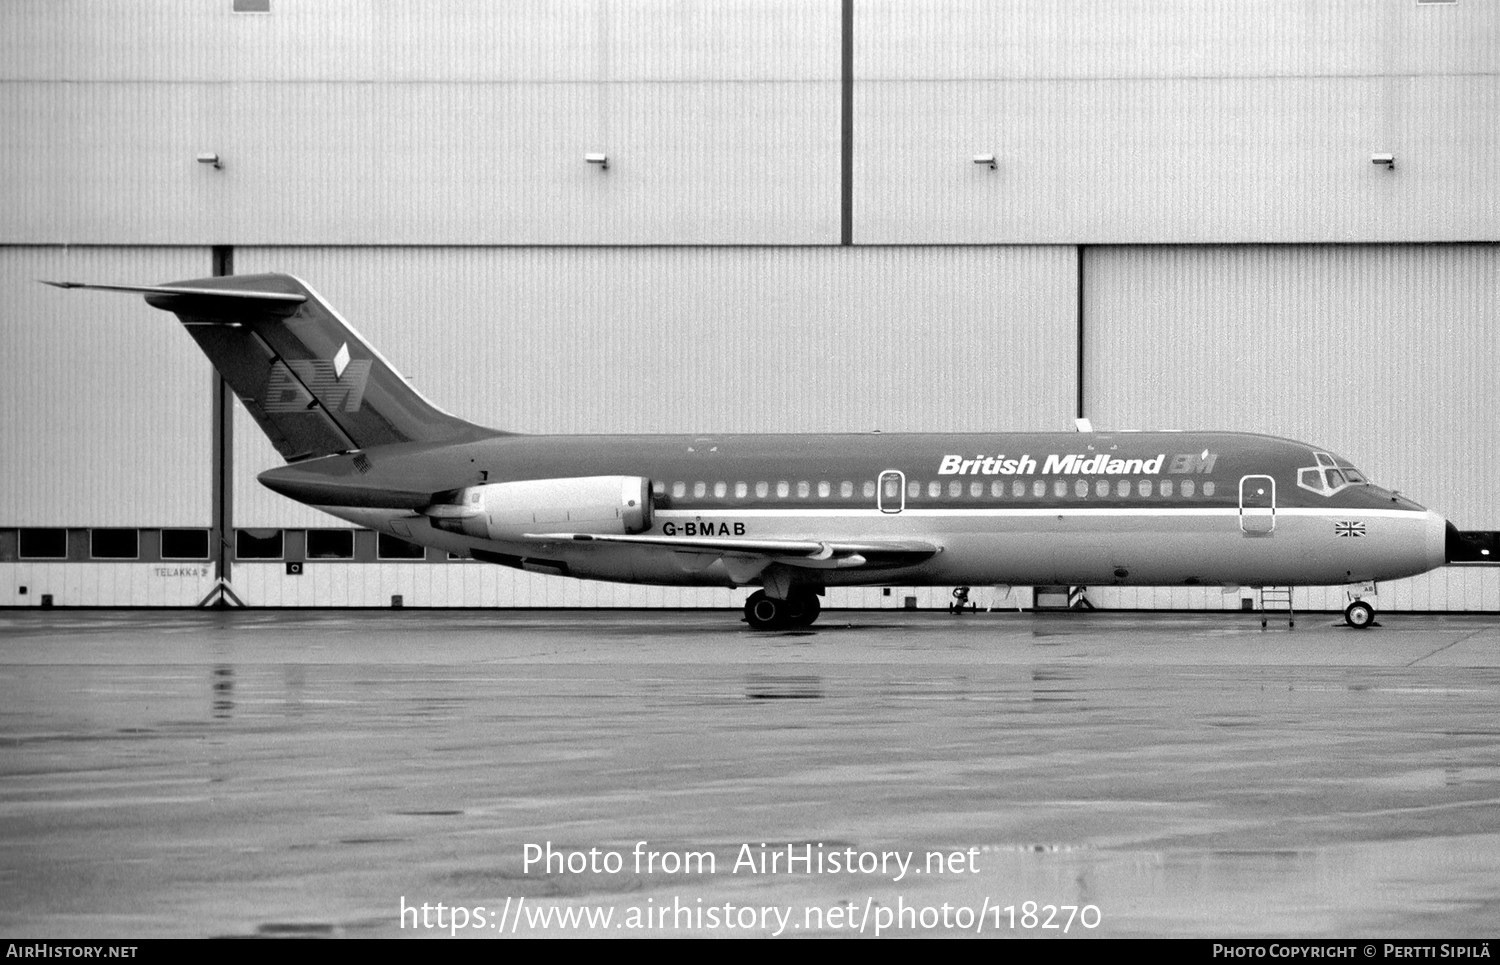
[(287, 388)]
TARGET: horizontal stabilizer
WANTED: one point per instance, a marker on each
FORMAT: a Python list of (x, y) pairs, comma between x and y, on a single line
[(290, 298), (208, 306)]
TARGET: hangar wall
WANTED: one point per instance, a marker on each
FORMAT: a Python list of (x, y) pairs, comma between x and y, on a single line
[(93, 433), (1386, 354), (428, 122), (1175, 121), (687, 339), (451, 123), (1201, 170)]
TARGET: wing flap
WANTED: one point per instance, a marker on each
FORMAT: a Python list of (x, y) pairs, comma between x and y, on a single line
[(810, 554)]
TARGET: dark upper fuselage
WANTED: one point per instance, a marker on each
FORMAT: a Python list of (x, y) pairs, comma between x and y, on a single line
[(951, 471)]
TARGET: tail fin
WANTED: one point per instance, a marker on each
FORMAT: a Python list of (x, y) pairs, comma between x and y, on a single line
[(311, 382)]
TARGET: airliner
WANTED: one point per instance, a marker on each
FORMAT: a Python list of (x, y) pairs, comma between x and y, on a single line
[(789, 515)]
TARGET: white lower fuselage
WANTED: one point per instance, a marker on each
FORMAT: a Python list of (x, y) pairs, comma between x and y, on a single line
[(1167, 546)]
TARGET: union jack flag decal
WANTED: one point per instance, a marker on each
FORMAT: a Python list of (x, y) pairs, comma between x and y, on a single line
[(1349, 528)]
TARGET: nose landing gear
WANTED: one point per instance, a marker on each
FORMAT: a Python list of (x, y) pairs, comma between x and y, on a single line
[(1359, 615), (1360, 612)]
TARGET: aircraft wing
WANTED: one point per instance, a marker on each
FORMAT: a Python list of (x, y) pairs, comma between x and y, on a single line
[(754, 553)]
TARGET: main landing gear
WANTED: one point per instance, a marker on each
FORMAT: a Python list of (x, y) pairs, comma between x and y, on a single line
[(799, 609)]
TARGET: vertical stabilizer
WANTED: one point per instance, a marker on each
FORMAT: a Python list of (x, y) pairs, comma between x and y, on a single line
[(311, 382)]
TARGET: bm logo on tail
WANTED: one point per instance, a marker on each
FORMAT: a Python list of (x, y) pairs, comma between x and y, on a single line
[(296, 385)]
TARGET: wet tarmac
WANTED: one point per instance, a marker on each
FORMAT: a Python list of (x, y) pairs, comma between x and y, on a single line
[(296, 773)]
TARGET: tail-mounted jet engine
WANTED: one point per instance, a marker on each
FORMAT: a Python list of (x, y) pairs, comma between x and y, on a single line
[(613, 505)]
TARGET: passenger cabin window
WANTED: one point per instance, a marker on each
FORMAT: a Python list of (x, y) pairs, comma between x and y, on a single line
[(762, 489), (869, 489)]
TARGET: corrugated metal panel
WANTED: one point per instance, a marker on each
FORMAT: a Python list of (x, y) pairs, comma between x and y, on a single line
[(1386, 354), (1178, 160), (469, 40), (1110, 39), (455, 585), (103, 584), (105, 404), (689, 163), (1451, 588), (702, 339)]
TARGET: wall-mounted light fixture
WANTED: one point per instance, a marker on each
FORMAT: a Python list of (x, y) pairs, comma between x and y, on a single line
[(985, 159), (1389, 160), (208, 157), (600, 159)]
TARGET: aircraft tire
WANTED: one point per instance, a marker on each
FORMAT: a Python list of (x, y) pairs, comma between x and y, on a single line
[(1359, 615), (802, 609), (764, 613)]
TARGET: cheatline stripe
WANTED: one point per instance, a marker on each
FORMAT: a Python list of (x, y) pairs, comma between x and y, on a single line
[(1332, 514)]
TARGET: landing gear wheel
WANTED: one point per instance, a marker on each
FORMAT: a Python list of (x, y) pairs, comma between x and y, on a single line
[(764, 613), (802, 609), (1359, 614)]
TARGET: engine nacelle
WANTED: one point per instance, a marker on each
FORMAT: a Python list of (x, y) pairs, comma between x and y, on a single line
[(607, 505)]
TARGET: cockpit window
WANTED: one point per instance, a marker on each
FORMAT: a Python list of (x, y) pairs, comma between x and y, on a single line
[(1327, 477)]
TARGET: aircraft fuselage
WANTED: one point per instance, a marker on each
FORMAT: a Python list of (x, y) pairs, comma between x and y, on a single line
[(1095, 508)]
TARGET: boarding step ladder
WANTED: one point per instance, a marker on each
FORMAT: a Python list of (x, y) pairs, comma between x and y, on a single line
[(1276, 599)]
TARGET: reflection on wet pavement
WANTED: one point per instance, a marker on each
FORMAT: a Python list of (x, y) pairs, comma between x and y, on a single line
[(302, 774)]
